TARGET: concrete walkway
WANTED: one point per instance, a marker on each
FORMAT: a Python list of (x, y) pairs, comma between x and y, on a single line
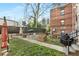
[(56, 47)]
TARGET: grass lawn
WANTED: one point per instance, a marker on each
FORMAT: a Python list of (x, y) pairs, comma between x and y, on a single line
[(20, 47)]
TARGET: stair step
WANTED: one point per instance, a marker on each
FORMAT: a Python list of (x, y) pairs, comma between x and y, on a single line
[(75, 47), (70, 50), (78, 43)]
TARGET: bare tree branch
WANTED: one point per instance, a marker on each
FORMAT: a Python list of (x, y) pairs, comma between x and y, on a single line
[(45, 10), (37, 10), (33, 10)]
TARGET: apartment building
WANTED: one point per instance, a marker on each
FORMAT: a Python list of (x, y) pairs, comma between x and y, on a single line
[(63, 19)]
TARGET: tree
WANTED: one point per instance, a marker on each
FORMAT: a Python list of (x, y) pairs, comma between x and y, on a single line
[(39, 25), (37, 11), (43, 21), (48, 28), (48, 21), (24, 23), (31, 23)]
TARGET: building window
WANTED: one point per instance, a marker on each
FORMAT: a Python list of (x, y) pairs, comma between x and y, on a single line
[(62, 8), (63, 31), (62, 11), (62, 22), (63, 27)]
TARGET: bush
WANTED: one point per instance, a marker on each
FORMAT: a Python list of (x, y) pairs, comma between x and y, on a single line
[(52, 40)]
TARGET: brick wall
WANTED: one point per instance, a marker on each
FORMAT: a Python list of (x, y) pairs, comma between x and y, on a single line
[(69, 19)]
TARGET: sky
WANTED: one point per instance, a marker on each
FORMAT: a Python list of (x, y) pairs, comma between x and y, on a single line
[(13, 11)]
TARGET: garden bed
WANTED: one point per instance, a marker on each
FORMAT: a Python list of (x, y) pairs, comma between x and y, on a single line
[(19, 47), (52, 40)]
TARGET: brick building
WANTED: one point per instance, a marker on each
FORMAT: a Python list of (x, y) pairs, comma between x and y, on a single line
[(63, 19)]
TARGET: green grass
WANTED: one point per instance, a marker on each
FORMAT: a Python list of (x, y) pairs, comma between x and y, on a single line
[(20, 47)]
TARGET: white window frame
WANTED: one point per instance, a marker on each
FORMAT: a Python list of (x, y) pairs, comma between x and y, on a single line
[(62, 12)]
